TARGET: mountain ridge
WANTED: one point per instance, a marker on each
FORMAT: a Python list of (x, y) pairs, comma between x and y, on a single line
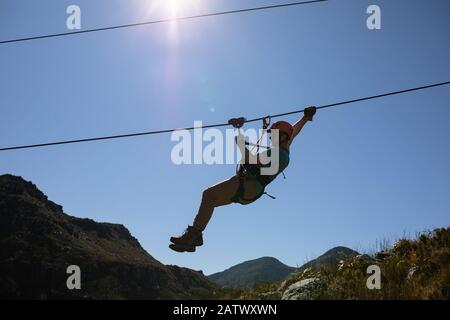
[(331, 257), (39, 241), (264, 269), (270, 269)]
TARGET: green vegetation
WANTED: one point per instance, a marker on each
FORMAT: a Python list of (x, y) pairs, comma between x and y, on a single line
[(410, 269)]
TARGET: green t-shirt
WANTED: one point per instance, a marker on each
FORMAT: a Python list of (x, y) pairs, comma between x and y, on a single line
[(283, 163)]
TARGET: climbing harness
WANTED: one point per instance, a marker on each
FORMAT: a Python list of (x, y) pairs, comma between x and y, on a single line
[(250, 172)]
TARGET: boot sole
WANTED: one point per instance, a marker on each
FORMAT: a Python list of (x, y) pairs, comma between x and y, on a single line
[(182, 248), (181, 243)]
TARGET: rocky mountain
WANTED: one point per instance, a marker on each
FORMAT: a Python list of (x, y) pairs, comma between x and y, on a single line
[(38, 241), (266, 269)]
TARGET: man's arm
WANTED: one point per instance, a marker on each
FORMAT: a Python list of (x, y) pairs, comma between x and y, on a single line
[(298, 126)]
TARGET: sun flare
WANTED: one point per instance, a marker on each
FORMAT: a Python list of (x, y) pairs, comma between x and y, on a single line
[(173, 8)]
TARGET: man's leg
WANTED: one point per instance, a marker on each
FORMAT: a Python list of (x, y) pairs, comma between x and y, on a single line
[(215, 196)]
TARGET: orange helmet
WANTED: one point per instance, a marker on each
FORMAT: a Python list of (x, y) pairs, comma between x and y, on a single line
[(283, 126)]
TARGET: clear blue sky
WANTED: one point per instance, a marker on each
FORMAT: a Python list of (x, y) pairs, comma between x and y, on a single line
[(358, 173)]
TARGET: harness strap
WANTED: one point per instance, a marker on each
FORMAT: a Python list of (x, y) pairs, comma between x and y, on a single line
[(239, 196), (269, 195)]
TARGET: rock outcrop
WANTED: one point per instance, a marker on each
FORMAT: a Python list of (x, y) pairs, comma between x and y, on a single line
[(38, 241)]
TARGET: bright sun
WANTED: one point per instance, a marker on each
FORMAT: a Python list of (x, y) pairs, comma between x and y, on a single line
[(173, 8)]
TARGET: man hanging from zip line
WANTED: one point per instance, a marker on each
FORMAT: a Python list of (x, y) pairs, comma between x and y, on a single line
[(247, 185)]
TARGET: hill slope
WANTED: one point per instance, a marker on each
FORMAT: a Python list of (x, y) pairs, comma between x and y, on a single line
[(330, 258), (38, 241), (266, 269), (411, 269), (416, 268)]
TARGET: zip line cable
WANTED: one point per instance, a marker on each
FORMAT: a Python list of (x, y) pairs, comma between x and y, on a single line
[(357, 100), (224, 124), (221, 13)]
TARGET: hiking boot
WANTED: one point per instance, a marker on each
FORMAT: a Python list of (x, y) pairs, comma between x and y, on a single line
[(182, 248), (190, 237)]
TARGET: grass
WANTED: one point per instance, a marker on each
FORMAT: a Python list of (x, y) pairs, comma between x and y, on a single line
[(416, 268)]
